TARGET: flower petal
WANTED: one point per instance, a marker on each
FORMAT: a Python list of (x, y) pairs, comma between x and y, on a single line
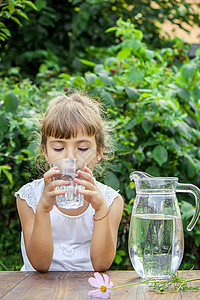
[(99, 294), (110, 285), (94, 293), (99, 278), (94, 282), (106, 279), (105, 295)]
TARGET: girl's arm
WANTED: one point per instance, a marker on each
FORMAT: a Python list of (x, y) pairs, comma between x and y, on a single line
[(37, 228), (37, 236), (104, 237)]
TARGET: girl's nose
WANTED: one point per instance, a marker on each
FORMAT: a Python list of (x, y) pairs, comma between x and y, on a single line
[(70, 153)]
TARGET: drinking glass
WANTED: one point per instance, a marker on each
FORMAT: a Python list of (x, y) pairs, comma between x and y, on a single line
[(68, 171)]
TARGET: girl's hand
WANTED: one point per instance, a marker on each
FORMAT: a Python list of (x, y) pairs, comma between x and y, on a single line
[(91, 193), (48, 197)]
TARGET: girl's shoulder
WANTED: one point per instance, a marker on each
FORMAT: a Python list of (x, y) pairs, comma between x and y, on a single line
[(109, 193), (31, 193)]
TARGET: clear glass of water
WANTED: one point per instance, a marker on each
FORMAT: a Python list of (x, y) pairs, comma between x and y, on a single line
[(68, 168)]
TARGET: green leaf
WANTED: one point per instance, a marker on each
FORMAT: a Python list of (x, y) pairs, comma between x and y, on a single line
[(147, 125), (124, 53), (151, 142), (153, 170), (135, 75), (65, 76), (99, 68), (8, 175), (11, 102), (122, 252), (160, 155), (6, 31), (132, 93), (107, 98), (130, 124), (197, 52), (160, 58), (3, 38), (80, 82), (187, 210), (191, 166), (196, 93), (5, 169), (22, 14), (184, 94), (16, 20), (149, 54), (140, 117), (40, 4), (111, 29), (87, 62), (4, 124), (111, 180), (187, 71), (118, 259), (29, 123), (29, 3), (184, 129), (19, 157), (107, 79), (110, 60), (135, 44), (174, 104), (91, 78)]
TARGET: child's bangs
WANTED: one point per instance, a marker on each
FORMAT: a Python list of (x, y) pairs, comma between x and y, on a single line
[(66, 128)]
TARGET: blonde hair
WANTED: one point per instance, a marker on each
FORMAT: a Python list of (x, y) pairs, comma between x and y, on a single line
[(66, 115)]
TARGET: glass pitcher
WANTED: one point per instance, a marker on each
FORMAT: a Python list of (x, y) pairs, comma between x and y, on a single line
[(156, 242)]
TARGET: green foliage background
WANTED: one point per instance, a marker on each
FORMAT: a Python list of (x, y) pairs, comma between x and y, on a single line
[(150, 88)]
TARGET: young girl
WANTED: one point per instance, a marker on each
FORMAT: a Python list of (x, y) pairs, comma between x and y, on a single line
[(59, 239)]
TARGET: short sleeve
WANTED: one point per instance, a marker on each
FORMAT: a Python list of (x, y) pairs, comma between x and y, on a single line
[(27, 193), (109, 193)]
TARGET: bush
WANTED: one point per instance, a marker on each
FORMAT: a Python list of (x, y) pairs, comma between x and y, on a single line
[(152, 97), (59, 33), (18, 121)]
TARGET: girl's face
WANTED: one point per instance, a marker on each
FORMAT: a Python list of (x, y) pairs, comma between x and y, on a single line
[(82, 147)]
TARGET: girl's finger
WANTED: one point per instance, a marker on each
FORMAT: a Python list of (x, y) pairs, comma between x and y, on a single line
[(50, 173), (56, 183), (87, 170), (87, 193), (87, 184), (56, 192), (86, 176)]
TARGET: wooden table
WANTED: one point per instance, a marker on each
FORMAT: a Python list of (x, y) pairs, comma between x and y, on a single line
[(75, 286)]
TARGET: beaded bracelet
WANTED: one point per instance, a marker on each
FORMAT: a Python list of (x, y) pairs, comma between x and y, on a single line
[(102, 217)]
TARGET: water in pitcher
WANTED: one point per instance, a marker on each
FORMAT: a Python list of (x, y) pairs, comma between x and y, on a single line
[(156, 246)]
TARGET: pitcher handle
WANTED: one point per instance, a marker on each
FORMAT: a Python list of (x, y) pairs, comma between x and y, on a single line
[(190, 188)]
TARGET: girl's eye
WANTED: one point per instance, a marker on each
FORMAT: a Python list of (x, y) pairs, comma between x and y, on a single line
[(83, 149), (58, 149)]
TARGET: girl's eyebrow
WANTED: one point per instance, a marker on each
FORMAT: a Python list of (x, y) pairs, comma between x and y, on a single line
[(84, 141), (63, 141), (56, 141)]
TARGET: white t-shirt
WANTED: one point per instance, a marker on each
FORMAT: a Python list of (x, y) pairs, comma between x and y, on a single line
[(71, 234)]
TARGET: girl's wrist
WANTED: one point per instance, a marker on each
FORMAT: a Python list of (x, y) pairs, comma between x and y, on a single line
[(99, 219), (101, 212), (41, 208)]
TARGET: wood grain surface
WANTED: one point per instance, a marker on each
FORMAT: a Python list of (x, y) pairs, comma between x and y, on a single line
[(75, 286)]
